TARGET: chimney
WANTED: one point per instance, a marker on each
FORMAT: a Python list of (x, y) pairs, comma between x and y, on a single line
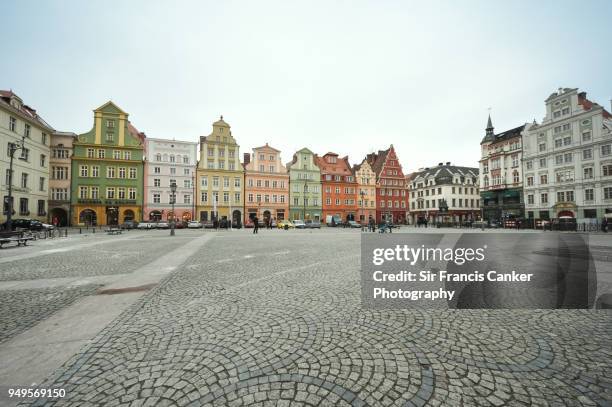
[(440, 164), (448, 163), (247, 158)]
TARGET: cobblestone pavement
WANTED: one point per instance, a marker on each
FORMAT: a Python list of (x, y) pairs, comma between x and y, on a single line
[(275, 320), (21, 309)]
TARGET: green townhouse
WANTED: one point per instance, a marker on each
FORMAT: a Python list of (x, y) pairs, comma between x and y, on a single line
[(108, 170), (304, 186)]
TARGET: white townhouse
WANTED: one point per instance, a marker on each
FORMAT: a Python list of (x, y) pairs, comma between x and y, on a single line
[(30, 186), (167, 162), (567, 159)]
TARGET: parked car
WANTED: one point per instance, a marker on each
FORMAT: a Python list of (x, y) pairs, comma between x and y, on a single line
[(208, 224), (30, 224), (179, 225), (162, 225), (565, 223), (48, 226), (299, 224), (144, 225), (249, 224), (479, 224), (285, 224), (352, 224), (129, 224), (194, 225), (313, 224), (334, 220), (494, 224)]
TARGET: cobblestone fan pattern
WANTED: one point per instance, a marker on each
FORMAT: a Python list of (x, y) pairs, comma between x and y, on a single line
[(275, 320), (120, 257), (22, 309)]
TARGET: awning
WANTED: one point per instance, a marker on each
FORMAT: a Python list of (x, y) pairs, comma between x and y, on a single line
[(512, 194), (487, 195)]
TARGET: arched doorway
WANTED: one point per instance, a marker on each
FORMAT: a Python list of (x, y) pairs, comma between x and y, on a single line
[(59, 217), (128, 215), (236, 218), (266, 217), (155, 216), (186, 216), (350, 216), (170, 216), (88, 217), (566, 213), (112, 215)]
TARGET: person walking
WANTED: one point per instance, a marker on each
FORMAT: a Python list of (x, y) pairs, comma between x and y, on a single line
[(256, 223), (604, 225)]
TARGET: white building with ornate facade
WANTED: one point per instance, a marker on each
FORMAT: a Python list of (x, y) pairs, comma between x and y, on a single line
[(445, 186), (567, 161), (30, 181), (169, 161)]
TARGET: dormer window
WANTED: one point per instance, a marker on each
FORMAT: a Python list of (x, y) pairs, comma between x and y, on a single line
[(110, 124)]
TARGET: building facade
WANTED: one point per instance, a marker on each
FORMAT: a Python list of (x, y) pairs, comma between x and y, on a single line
[(220, 176), (266, 187), (443, 194), (167, 162), (391, 190), (366, 196), (567, 159), (108, 170), (30, 181), (59, 177), (304, 186), (339, 188), (501, 178)]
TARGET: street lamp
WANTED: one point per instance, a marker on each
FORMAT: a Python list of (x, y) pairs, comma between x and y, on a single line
[(362, 193), (172, 201), (304, 199), (13, 148)]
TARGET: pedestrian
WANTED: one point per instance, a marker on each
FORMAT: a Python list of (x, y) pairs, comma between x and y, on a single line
[(518, 224), (256, 222), (604, 225)]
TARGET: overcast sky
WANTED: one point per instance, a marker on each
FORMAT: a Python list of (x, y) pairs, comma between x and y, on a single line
[(344, 76)]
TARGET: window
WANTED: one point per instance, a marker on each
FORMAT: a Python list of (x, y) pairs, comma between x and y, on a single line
[(211, 152), (157, 170), (158, 157), (605, 150), (564, 176), (121, 193), (132, 173), (226, 182), (27, 130), (156, 182), (565, 111), (101, 153), (41, 184), (542, 147), (156, 198), (43, 160), (529, 165), (588, 172), (25, 154), (607, 193), (515, 161), (110, 193), (110, 172), (204, 182), (110, 136), (516, 178), (59, 173), (221, 165), (558, 143), (237, 197), (542, 162), (94, 192), (530, 199), (586, 136), (23, 206), (559, 159), (587, 154), (186, 199), (83, 192), (567, 157), (185, 171), (117, 154), (13, 124), (606, 170), (237, 182), (121, 172), (84, 171), (588, 194), (544, 179), (172, 170), (127, 155), (567, 140), (90, 153), (215, 183), (94, 171), (529, 181), (544, 198), (110, 123)]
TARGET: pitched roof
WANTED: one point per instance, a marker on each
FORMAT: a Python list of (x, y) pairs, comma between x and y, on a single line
[(377, 160), (25, 111), (444, 171), (588, 105), (508, 134)]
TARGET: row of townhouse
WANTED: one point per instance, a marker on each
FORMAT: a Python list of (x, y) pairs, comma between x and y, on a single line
[(561, 166), (114, 173)]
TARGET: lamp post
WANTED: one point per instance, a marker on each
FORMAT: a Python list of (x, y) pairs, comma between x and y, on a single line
[(482, 214), (13, 148), (304, 199), (362, 193), (172, 201)]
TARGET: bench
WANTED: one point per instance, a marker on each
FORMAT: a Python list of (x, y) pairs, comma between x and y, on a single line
[(114, 231), (20, 240)]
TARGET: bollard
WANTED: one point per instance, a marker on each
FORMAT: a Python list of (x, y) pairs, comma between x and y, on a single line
[(94, 230), (80, 231)]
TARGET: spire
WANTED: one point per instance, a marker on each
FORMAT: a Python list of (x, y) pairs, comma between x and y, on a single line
[(490, 128)]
